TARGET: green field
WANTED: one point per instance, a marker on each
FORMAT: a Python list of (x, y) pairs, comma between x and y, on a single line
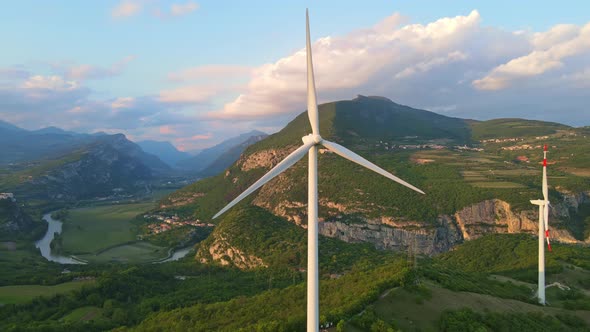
[(84, 314), (90, 229), (25, 293), (138, 252), (421, 310)]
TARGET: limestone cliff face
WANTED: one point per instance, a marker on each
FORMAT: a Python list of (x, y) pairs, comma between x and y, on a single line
[(496, 216), (221, 251), (490, 216), (427, 240)]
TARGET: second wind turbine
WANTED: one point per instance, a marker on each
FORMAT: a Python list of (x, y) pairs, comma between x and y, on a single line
[(310, 145)]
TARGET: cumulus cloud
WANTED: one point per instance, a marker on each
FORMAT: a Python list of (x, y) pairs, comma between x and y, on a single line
[(126, 8), (550, 51), (353, 61), (452, 61), (54, 83)]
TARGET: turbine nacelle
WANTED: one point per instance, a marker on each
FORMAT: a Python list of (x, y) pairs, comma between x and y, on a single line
[(540, 202), (311, 138)]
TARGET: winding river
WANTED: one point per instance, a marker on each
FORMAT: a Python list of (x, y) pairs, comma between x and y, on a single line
[(54, 226)]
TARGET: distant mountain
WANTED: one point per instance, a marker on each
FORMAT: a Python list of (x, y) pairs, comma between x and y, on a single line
[(230, 156), (20, 145), (164, 150), (208, 156), (54, 164), (8, 127), (54, 130), (110, 165)]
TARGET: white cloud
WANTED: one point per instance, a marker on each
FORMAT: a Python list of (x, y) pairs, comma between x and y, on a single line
[(126, 8), (431, 63), (550, 51), (347, 63), (55, 83), (176, 10), (123, 102), (179, 9)]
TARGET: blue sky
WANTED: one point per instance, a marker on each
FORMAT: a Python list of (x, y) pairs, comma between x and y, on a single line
[(175, 70)]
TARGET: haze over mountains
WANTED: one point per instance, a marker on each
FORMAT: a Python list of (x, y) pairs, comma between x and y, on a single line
[(58, 164)]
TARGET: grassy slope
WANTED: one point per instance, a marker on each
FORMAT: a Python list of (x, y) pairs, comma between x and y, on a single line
[(508, 128), (25, 293)]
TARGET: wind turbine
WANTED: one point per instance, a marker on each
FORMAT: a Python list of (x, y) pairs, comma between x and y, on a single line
[(310, 145), (543, 228)]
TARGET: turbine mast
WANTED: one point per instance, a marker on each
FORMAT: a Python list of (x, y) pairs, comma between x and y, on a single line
[(543, 229), (313, 293), (541, 278), (313, 290)]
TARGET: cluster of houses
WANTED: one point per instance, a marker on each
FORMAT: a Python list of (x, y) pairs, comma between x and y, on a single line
[(467, 148), (521, 147), (168, 222), (9, 196), (388, 146), (502, 140)]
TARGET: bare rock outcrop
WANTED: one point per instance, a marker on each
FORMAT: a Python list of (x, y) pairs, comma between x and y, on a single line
[(222, 252)]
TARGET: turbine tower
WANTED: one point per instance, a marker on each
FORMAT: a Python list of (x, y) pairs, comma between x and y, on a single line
[(543, 229), (310, 145)]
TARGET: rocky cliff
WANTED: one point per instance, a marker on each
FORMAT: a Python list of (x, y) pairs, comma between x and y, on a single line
[(220, 250), (472, 222)]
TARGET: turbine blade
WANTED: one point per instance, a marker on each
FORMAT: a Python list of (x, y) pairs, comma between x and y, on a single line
[(278, 169), (545, 189), (546, 220), (346, 153), (312, 105)]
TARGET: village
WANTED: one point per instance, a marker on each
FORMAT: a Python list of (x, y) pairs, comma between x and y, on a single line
[(169, 222)]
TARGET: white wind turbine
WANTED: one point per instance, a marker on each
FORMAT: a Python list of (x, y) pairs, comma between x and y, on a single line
[(543, 229), (310, 144)]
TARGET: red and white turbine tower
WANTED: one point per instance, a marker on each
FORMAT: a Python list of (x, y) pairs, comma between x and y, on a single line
[(543, 228)]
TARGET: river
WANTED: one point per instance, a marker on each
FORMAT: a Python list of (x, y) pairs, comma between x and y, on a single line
[(54, 226), (178, 254)]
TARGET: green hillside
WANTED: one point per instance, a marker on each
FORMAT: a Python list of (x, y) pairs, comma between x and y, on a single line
[(429, 155), (504, 128)]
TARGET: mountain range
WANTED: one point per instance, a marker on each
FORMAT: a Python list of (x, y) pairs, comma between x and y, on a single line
[(52, 163), (222, 155)]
